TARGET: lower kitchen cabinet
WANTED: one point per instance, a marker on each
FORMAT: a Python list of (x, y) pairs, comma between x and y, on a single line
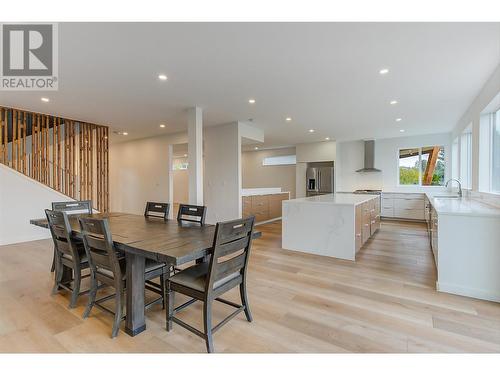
[(264, 207), (367, 221), (409, 206), (358, 227)]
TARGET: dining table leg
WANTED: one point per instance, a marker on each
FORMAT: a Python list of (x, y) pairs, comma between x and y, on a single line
[(135, 321)]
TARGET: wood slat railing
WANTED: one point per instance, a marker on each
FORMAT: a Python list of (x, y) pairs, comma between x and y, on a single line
[(67, 155)]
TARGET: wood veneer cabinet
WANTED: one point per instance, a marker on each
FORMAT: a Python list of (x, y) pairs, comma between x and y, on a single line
[(367, 221), (358, 230), (264, 207)]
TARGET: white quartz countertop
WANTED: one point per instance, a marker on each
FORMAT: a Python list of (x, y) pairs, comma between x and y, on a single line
[(261, 191), (461, 206), (334, 199)]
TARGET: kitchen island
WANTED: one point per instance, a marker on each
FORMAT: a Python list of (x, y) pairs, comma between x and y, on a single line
[(335, 225)]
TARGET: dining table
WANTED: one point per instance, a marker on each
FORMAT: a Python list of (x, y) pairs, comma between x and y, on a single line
[(171, 242)]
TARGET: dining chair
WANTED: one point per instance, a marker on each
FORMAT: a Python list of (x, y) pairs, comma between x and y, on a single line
[(191, 213), (67, 252), (206, 282), (108, 266), (158, 210), (71, 208), (155, 209)]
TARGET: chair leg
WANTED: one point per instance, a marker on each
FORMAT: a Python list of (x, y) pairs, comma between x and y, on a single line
[(162, 287), (118, 313), (53, 267), (58, 274), (244, 300), (77, 280), (92, 295), (207, 324), (169, 300)]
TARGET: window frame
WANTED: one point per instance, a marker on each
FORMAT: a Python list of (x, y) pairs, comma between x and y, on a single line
[(465, 172), (495, 116), (279, 157), (419, 185)]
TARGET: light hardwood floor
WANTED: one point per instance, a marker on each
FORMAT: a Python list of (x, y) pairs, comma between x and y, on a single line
[(384, 302)]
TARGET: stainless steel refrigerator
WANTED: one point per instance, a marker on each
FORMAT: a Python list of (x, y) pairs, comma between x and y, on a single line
[(319, 179)]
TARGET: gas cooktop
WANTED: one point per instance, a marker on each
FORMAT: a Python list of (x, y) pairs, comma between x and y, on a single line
[(367, 191)]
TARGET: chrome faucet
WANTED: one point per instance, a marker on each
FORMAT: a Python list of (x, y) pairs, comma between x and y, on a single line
[(459, 185)]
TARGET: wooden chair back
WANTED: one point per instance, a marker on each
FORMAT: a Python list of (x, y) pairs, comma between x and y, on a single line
[(99, 246), (231, 249), (191, 213), (60, 229), (155, 209), (73, 207)]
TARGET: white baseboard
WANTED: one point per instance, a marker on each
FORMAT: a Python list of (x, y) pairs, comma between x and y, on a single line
[(493, 295), (268, 221)]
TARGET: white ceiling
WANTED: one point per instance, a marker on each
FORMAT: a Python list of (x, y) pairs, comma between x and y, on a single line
[(323, 75)]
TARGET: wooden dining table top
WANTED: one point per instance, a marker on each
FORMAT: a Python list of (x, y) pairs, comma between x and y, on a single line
[(167, 241)]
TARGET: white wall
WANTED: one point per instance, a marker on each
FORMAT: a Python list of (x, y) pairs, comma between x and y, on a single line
[(317, 151), (139, 172), (350, 157), (255, 175), (473, 115), (222, 167), (311, 152), (181, 184), (22, 199)]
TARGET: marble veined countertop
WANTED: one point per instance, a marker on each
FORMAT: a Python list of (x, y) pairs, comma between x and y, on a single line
[(461, 206), (334, 199)]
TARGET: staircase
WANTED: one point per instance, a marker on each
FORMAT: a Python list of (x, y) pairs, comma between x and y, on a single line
[(66, 155)]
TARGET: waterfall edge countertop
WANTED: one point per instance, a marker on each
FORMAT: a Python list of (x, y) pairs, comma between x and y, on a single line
[(334, 199), (462, 206), (327, 225)]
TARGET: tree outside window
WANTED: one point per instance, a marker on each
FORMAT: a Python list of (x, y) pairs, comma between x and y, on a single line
[(423, 166)]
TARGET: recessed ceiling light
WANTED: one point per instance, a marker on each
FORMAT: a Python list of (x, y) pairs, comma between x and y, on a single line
[(327, 138), (162, 77), (46, 100), (162, 125), (401, 130), (311, 130), (125, 133), (251, 101), (384, 71), (393, 102), (399, 119), (255, 148), (288, 119)]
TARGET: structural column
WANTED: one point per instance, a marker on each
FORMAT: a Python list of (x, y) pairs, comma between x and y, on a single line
[(195, 155)]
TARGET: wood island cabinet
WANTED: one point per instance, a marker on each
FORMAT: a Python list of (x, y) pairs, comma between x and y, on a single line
[(367, 221)]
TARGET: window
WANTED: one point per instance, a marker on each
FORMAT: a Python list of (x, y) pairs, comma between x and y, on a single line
[(495, 153), (466, 158), (280, 160), (423, 166), (180, 164), (454, 159), (409, 160)]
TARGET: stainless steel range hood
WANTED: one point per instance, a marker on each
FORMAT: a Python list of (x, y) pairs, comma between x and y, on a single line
[(369, 158)]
